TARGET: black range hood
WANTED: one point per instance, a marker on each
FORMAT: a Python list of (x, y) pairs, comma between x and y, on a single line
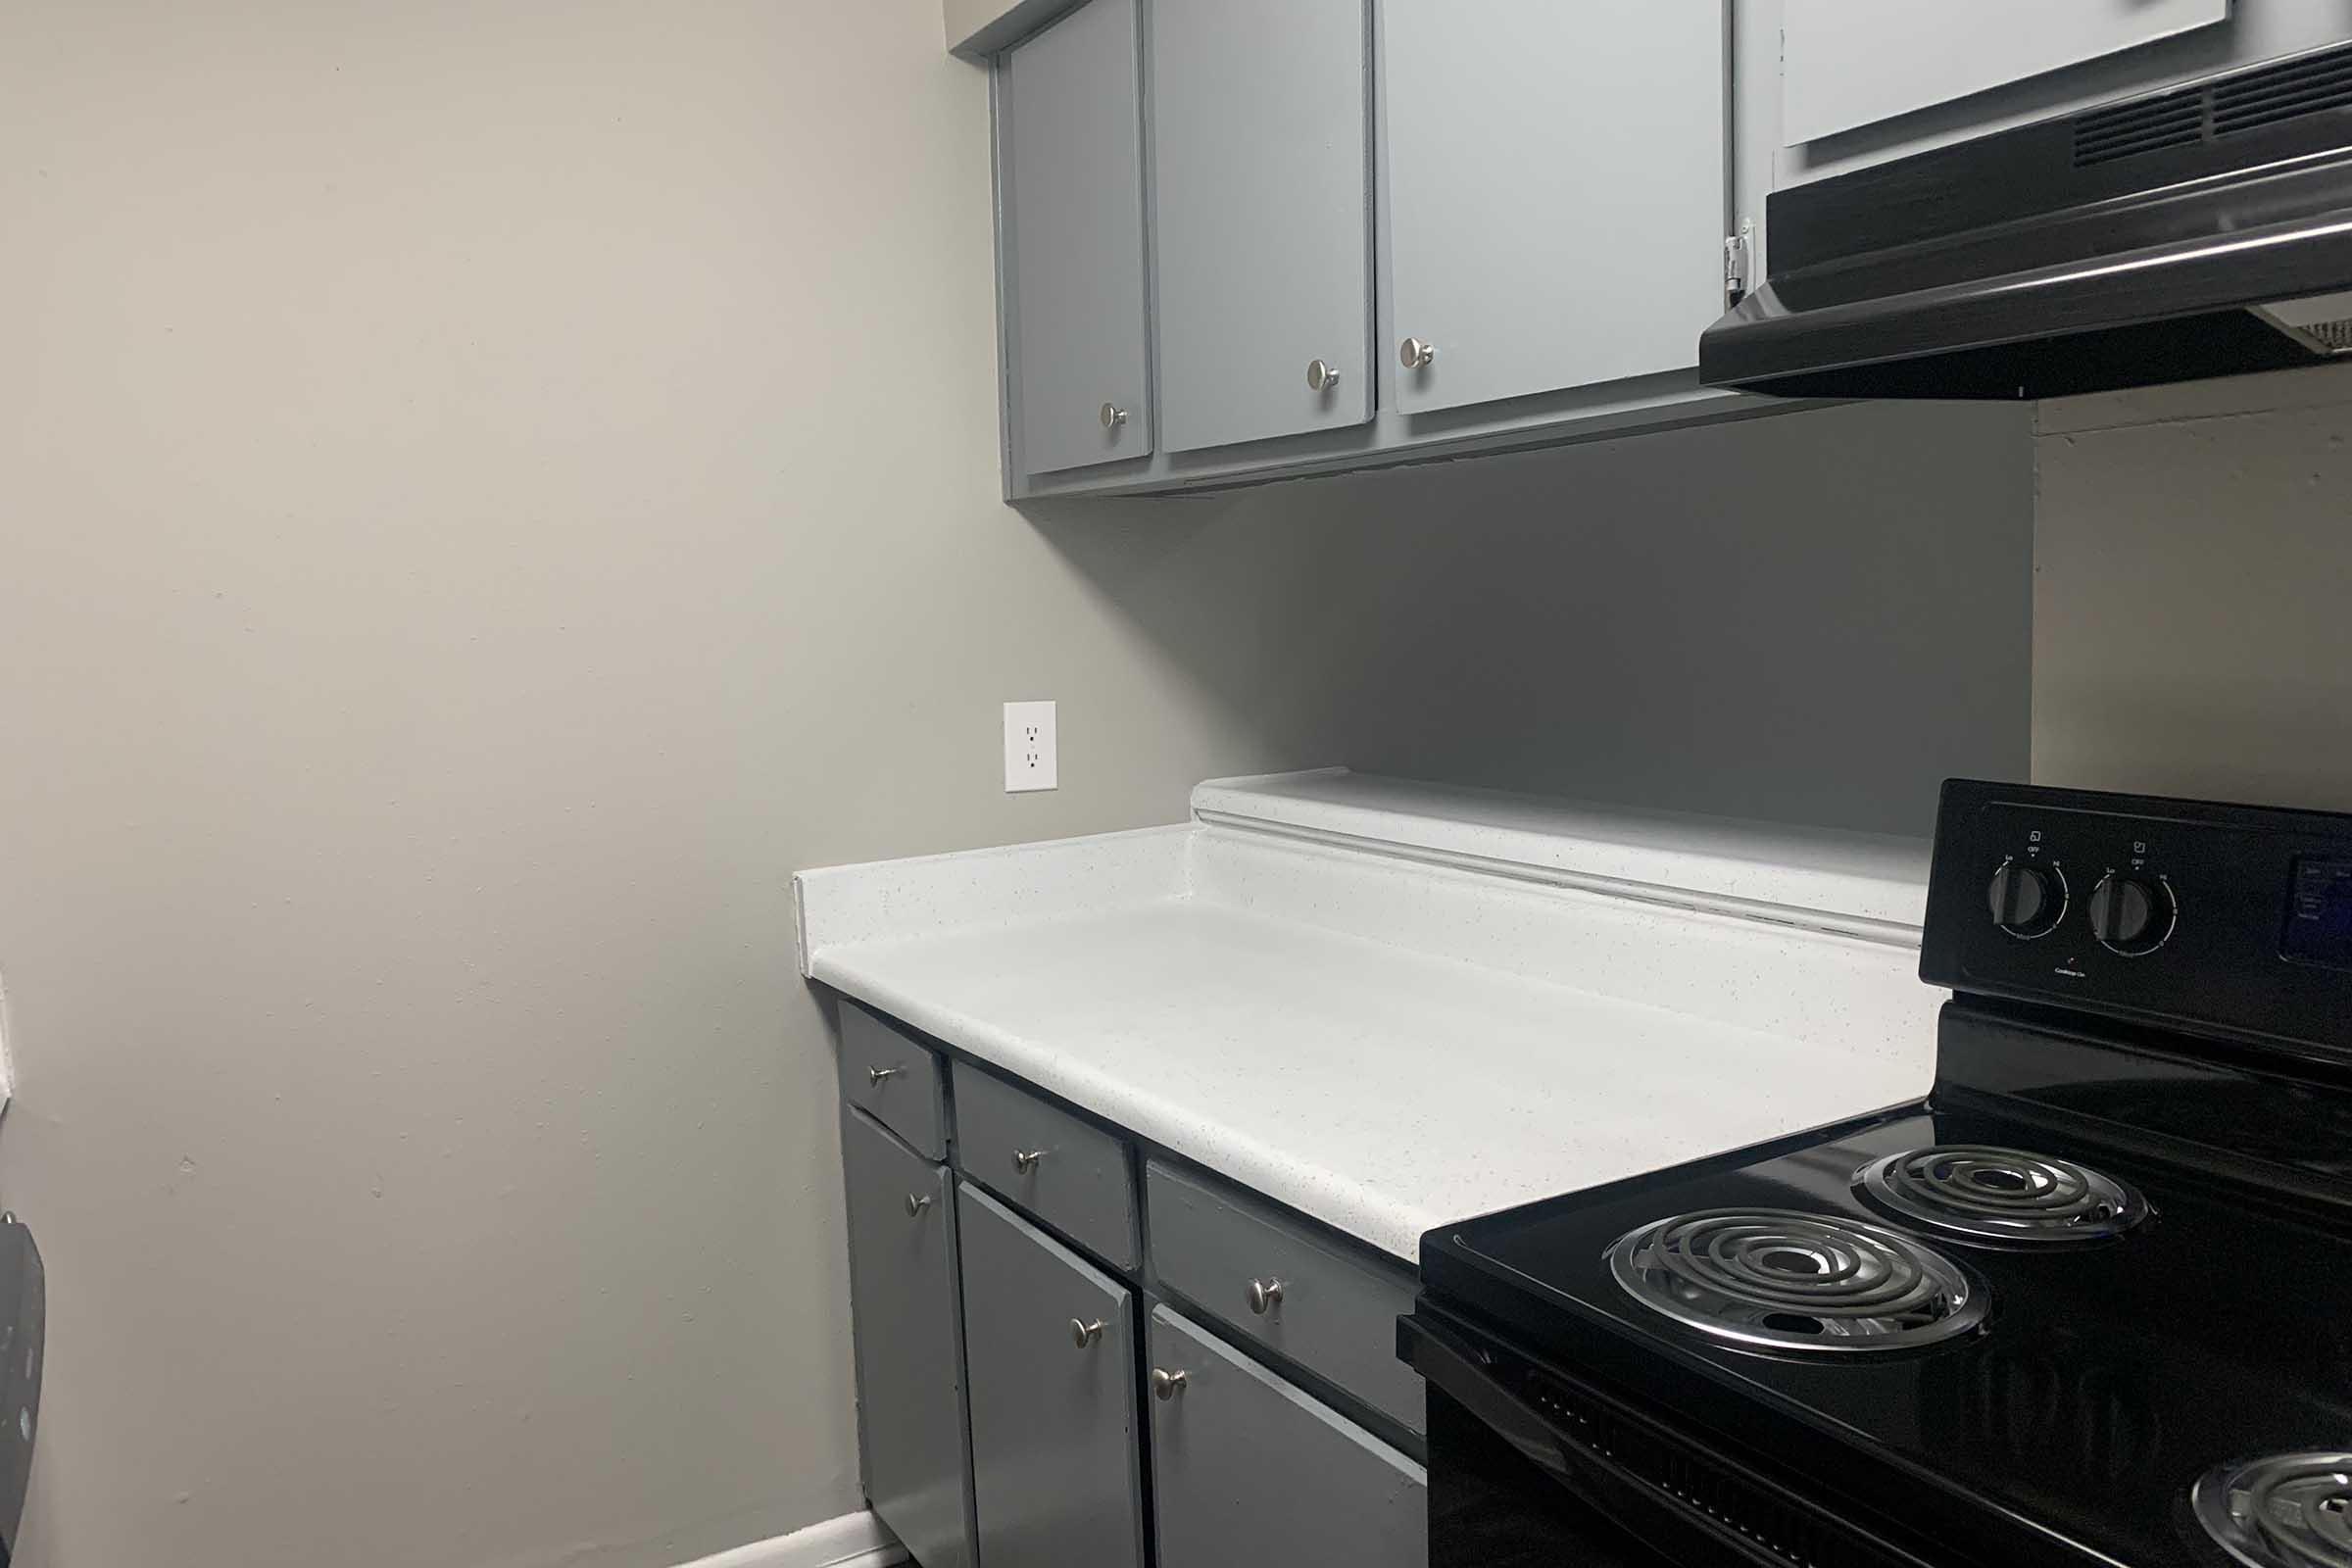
[(2199, 231)]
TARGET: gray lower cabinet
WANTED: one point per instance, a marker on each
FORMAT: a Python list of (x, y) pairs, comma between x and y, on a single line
[(1554, 193), (909, 1343), (1066, 1172), (1050, 1340), (1248, 1469), (1070, 193), (1261, 145), (1276, 1284), (1002, 1375), (898, 1083)]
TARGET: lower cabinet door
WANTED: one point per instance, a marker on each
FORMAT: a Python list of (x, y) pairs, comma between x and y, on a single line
[(1248, 1469), (1056, 1478), (909, 1343)]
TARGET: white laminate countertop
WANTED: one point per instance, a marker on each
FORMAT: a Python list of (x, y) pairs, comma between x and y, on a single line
[(1383, 1036)]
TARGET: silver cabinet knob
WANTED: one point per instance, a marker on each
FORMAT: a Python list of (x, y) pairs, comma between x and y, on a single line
[(1321, 375), (1165, 1385), (1415, 354), (1264, 1295), (916, 1203), (1113, 416), (1025, 1162), (875, 1076), (1083, 1334)]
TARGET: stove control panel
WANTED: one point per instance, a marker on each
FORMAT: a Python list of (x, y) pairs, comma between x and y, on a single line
[(2217, 918)]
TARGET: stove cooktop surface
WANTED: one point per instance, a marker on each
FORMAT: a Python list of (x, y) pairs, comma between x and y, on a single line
[(2127, 1330)]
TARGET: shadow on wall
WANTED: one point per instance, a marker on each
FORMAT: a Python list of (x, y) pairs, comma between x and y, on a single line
[(1815, 617)]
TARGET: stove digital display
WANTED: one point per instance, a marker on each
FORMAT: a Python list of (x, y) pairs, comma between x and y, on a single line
[(2319, 913)]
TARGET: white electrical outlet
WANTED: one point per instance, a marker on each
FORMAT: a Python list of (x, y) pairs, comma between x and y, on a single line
[(1032, 758)]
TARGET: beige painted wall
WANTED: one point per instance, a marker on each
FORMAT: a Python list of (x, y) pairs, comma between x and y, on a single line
[(487, 488), (2193, 591)]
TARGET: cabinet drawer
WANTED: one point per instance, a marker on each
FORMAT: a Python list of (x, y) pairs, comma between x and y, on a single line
[(1069, 1174), (909, 1338), (1248, 1469), (892, 1079), (1057, 1461), (1284, 1287)]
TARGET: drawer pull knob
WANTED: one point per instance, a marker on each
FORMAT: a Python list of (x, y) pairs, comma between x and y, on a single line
[(1264, 1295), (916, 1203), (1321, 375), (1026, 1161), (1165, 1385), (1415, 354), (875, 1076), (1084, 1334)]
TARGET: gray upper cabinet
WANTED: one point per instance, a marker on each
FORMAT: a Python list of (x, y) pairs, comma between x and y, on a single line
[(1057, 1469), (1523, 201), (1855, 63), (1261, 146), (909, 1343), (1555, 194), (1071, 227), (1246, 1469)]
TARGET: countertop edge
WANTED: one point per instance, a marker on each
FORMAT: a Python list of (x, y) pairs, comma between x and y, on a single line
[(1311, 1190)]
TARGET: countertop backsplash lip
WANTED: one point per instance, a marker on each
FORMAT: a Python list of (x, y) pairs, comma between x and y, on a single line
[(893, 899), (1871, 883), (1388, 1042)]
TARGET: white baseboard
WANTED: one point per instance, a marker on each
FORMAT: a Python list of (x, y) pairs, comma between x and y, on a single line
[(853, 1541)]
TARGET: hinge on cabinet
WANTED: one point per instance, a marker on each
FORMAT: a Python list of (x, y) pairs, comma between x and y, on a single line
[(1739, 257)]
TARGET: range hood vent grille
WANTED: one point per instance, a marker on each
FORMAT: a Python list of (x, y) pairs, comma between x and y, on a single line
[(2290, 91), (2309, 84), (2151, 125)]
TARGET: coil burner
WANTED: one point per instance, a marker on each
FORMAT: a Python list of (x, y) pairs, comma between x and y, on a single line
[(2292, 1510), (1779, 1280), (2002, 1194)]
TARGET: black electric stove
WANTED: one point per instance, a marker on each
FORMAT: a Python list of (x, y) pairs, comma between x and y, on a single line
[(2088, 1303)]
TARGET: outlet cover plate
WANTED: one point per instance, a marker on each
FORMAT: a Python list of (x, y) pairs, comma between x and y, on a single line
[(1032, 750)]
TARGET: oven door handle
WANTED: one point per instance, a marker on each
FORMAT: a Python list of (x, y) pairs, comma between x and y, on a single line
[(1452, 1363), (1447, 1360)]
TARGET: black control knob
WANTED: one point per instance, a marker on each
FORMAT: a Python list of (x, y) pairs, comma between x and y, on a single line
[(2026, 901), (2131, 915)]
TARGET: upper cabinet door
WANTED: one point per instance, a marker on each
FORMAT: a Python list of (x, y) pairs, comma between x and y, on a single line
[(1555, 192), (1261, 172), (1854, 63), (1072, 186)]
